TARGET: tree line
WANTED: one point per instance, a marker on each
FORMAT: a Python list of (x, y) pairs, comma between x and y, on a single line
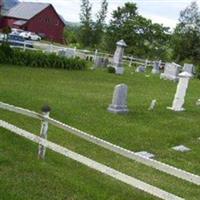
[(144, 38)]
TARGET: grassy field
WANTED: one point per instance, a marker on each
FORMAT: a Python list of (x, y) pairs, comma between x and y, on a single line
[(80, 99)]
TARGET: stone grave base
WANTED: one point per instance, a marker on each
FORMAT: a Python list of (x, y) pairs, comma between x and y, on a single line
[(169, 77), (176, 110), (118, 109)]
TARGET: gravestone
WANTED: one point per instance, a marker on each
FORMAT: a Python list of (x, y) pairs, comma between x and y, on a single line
[(181, 90), (118, 57), (101, 62), (152, 105), (189, 68), (181, 148), (119, 101), (140, 69), (156, 68), (171, 72)]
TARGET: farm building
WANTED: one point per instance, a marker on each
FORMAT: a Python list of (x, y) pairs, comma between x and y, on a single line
[(40, 18)]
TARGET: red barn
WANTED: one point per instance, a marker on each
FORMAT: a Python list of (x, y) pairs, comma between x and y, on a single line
[(40, 18)]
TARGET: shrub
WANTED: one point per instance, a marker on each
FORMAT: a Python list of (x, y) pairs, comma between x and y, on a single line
[(39, 59), (111, 70), (198, 71)]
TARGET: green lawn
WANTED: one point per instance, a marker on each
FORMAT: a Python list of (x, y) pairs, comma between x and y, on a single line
[(80, 99)]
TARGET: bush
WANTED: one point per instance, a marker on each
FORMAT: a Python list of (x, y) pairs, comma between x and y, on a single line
[(39, 59), (111, 70), (198, 71)]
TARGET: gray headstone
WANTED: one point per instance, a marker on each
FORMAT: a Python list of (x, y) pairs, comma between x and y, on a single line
[(156, 68), (118, 57), (140, 68), (101, 62), (171, 72), (119, 101), (189, 68)]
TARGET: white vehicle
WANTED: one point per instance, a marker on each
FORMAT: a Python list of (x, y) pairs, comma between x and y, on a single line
[(25, 35), (34, 37), (30, 36)]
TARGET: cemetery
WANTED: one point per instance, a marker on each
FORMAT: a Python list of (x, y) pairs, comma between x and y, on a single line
[(83, 123), (126, 109)]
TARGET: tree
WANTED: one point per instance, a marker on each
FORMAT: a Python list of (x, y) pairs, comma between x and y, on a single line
[(6, 31), (86, 30), (186, 37), (142, 36), (99, 26)]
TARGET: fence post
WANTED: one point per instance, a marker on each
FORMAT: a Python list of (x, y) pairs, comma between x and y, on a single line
[(43, 131), (131, 61), (75, 52), (24, 46)]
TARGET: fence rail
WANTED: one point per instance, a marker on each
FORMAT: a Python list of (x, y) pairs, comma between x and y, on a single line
[(187, 176), (92, 164), (77, 52)]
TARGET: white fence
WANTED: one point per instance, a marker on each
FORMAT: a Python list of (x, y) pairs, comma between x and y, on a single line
[(82, 53), (195, 179)]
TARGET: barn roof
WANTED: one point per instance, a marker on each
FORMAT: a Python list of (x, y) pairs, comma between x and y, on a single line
[(26, 10)]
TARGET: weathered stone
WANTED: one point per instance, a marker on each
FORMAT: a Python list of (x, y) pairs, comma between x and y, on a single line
[(140, 69), (181, 148), (153, 104), (171, 72), (189, 68), (179, 98), (101, 62), (119, 101), (118, 57), (156, 68)]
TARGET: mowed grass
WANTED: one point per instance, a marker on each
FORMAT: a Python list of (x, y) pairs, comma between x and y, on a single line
[(80, 99)]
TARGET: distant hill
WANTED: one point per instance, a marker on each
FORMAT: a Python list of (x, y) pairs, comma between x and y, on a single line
[(7, 4)]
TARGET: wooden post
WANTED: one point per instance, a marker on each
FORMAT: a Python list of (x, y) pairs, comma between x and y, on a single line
[(24, 46), (131, 61), (75, 52), (44, 131)]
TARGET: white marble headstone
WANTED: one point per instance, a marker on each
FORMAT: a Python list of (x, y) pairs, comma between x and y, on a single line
[(171, 72), (181, 148), (181, 90), (189, 68)]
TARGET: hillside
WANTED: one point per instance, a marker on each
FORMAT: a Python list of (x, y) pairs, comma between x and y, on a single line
[(80, 99)]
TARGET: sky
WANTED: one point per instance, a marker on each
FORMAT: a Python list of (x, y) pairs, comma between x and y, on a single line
[(165, 12)]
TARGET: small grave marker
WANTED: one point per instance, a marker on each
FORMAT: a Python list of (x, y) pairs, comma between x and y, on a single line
[(181, 148), (153, 104)]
